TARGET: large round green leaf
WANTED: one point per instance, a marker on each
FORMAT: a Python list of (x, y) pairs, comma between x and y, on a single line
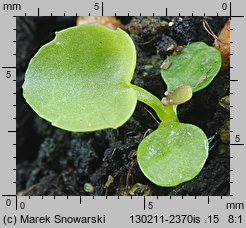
[(196, 66), (80, 81), (172, 154)]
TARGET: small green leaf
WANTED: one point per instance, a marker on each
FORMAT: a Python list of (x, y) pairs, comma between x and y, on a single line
[(173, 154), (196, 65), (80, 81)]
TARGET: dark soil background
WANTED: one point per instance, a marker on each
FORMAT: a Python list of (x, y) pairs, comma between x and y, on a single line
[(51, 161)]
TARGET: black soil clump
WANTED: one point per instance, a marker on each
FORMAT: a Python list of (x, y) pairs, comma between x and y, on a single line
[(51, 161)]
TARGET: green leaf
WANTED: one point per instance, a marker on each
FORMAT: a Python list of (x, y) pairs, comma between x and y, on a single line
[(196, 65), (80, 81), (172, 154)]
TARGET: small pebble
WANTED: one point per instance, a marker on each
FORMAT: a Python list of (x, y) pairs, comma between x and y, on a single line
[(225, 102), (224, 132), (89, 188)]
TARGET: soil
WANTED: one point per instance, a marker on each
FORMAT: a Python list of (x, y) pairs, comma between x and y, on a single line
[(51, 161)]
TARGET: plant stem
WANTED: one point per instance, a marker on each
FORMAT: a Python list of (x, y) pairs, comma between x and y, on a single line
[(163, 112)]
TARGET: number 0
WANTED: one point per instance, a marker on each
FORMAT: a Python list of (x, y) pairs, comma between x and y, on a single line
[(224, 6), (8, 202), (22, 205)]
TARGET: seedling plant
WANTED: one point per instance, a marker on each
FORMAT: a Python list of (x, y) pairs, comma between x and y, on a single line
[(81, 82)]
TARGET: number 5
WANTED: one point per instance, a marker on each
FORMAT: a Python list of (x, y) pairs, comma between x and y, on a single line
[(96, 6), (237, 138), (8, 74)]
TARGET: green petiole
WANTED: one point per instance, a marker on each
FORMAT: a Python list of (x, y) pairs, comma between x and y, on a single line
[(163, 112)]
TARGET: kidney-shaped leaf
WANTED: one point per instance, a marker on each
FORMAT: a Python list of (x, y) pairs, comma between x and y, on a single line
[(196, 66), (172, 154), (80, 81)]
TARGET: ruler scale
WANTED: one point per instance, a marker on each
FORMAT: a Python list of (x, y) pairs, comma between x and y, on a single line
[(131, 211)]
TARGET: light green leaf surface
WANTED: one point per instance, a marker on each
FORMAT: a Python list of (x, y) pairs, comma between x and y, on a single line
[(80, 81), (173, 154), (196, 65)]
